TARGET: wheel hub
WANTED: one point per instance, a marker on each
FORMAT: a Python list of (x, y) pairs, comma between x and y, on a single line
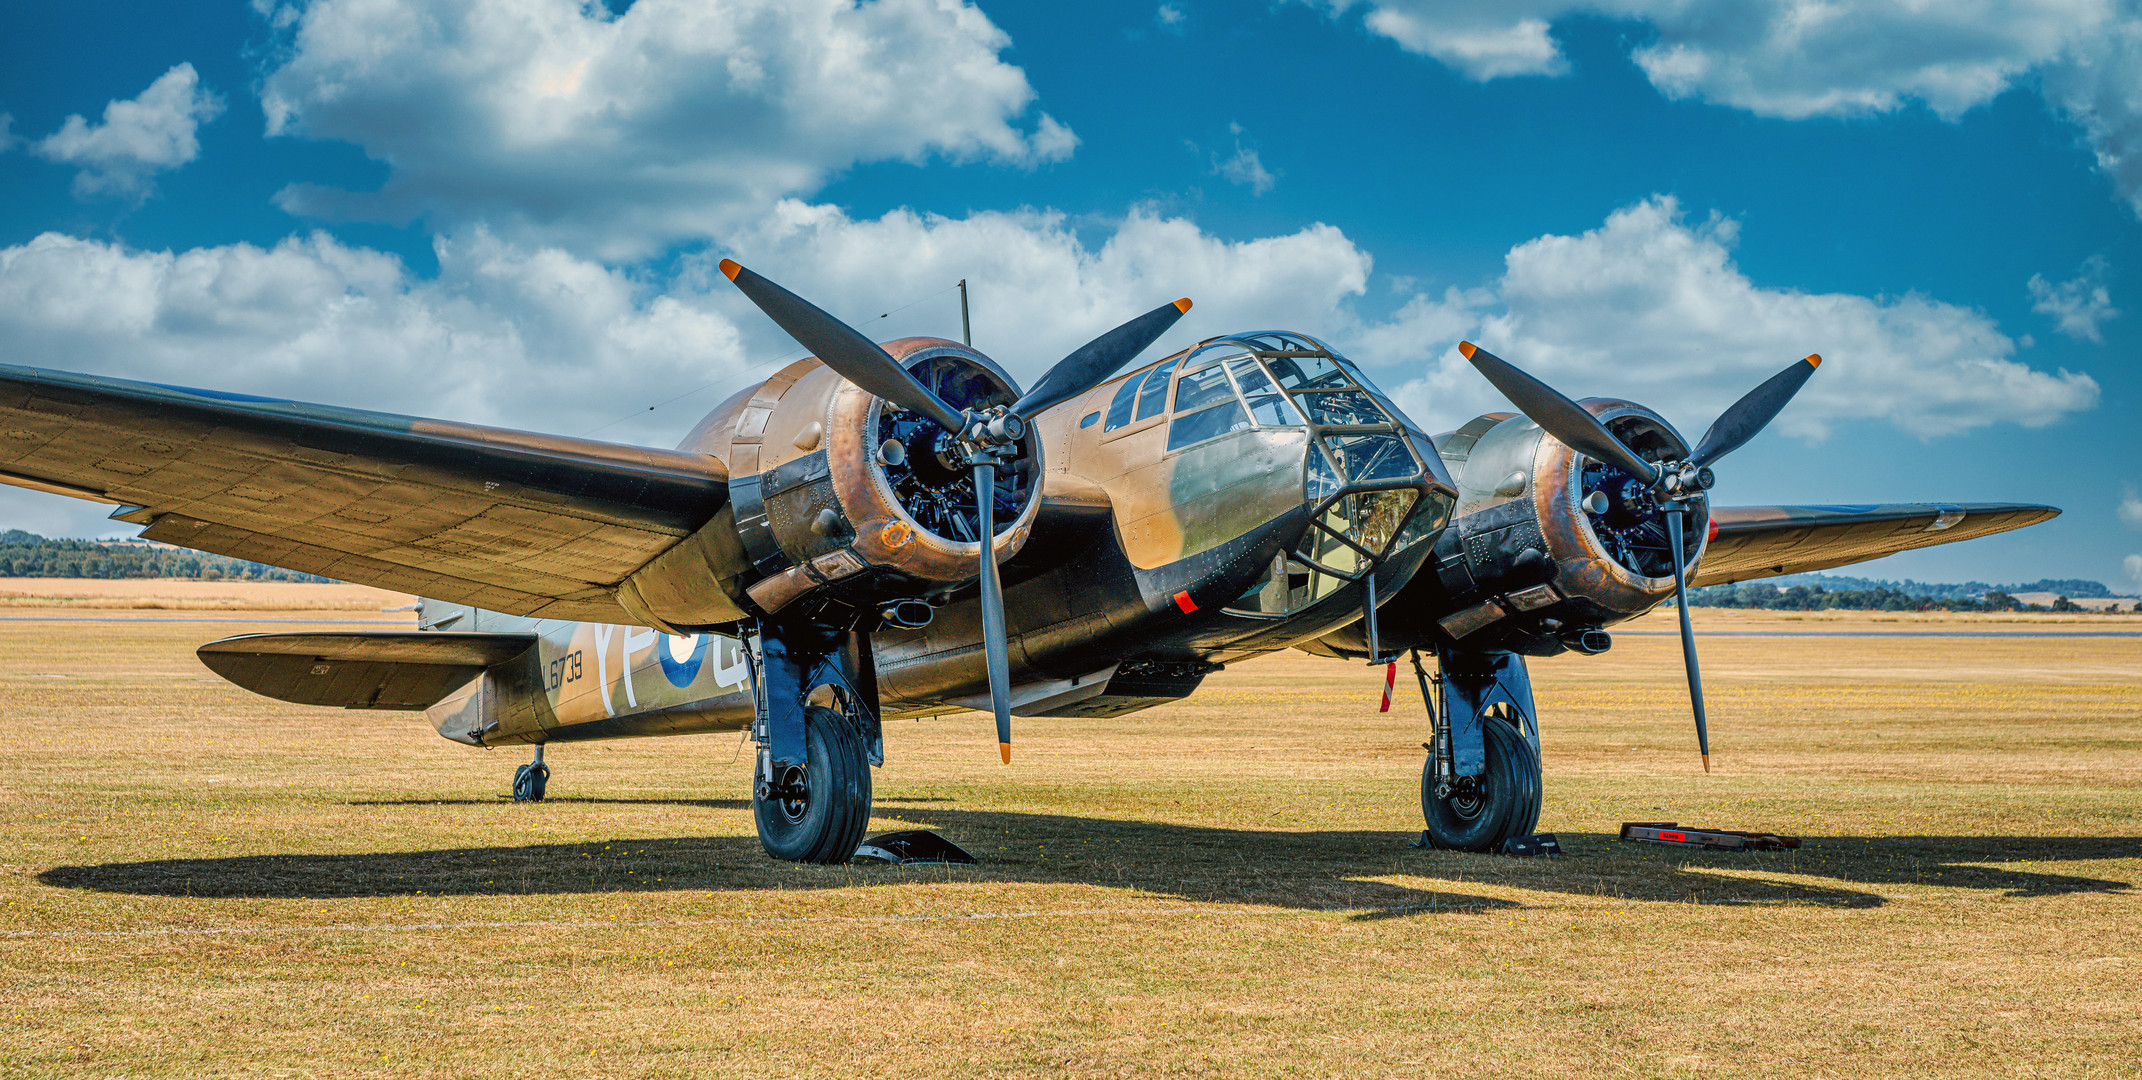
[(1467, 799)]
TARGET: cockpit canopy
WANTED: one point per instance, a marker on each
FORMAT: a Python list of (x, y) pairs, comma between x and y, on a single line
[(1367, 466)]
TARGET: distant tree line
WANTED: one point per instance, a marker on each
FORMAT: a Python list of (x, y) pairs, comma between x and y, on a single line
[(26, 554), (1770, 597), (1969, 590)]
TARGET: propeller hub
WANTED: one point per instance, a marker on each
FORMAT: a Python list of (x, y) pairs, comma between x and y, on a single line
[(1686, 478)]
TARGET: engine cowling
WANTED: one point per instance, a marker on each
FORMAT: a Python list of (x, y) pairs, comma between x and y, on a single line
[(839, 499), (1547, 548)]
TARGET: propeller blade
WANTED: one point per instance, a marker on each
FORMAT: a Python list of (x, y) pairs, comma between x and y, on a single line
[(841, 347), (995, 650), (1753, 412), (1096, 360), (1674, 525), (1557, 415)]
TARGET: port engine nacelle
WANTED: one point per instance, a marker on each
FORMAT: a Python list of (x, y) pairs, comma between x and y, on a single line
[(840, 500)]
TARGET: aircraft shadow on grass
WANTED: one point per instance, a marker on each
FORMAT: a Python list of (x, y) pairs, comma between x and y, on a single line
[(1373, 874)]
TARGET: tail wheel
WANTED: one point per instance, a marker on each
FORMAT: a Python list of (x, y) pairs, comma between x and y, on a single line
[(818, 812), (1483, 811), (529, 782)]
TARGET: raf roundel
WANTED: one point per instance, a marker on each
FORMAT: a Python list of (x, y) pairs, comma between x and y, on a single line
[(682, 656)]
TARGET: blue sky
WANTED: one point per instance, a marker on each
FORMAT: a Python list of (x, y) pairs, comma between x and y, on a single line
[(508, 212)]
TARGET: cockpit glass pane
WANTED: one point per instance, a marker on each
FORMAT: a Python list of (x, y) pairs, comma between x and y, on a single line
[(1309, 373), (1342, 408), (1373, 458), (1378, 514), (1322, 480), (1197, 389), (1250, 377), (1274, 410), (1153, 396), (1119, 410), (1210, 424)]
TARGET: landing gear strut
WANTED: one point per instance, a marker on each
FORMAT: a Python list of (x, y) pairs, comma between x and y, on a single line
[(529, 780)]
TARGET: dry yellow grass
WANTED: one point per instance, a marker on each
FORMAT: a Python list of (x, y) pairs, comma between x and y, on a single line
[(203, 883), (173, 594)]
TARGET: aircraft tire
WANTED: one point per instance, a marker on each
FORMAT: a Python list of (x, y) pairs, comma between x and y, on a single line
[(529, 781), (828, 824), (1505, 802)]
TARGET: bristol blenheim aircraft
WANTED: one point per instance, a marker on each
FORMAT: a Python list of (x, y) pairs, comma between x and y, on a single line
[(899, 530)]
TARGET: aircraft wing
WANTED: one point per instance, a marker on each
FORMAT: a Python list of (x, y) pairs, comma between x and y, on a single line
[(529, 524), (1767, 541)]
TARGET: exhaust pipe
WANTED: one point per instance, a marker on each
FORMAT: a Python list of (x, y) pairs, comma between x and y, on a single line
[(906, 614), (1591, 641)]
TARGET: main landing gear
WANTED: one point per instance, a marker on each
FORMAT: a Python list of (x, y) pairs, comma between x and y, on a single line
[(529, 780), (817, 811), (811, 790), (1480, 786)]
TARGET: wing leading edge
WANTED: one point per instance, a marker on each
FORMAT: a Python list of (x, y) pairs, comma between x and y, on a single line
[(514, 521), (1768, 541)]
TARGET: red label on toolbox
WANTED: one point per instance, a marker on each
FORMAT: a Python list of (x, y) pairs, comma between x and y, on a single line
[(1683, 837)]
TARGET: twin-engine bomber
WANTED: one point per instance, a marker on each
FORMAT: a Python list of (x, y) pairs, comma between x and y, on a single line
[(898, 529)]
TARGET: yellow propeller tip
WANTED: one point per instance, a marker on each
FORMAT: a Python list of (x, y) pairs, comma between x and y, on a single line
[(1814, 360), (1467, 349), (1183, 305), (1004, 749), (730, 269), (1706, 763)]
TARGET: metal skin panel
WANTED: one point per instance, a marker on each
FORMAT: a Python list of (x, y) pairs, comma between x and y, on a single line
[(1766, 541), (1209, 494), (506, 519)]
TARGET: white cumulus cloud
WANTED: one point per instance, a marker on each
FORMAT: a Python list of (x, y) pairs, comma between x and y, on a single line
[(1481, 43), (557, 122), (1652, 307), (1040, 291), (503, 335), (1789, 58), (2131, 509), (137, 139), (1797, 59), (2077, 305)]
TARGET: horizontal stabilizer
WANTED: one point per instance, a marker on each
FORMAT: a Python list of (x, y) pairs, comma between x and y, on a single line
[(1769, 541), (398, 669)]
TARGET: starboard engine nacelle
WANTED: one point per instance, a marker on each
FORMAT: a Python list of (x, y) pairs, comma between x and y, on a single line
[(841, 500), (1547, 546)]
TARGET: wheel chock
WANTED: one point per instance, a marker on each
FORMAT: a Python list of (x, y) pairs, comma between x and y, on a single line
[(1536, 844), (1672, 835), (913, 846)]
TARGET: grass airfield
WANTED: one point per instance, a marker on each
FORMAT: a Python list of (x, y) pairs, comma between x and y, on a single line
[(200, 882)]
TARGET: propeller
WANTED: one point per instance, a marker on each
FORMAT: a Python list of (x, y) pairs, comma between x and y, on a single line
[(1676, 483), (989, 437)]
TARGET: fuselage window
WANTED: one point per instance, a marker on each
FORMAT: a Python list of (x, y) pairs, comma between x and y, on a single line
[(1266, 405), (1207, 424), (1153, 395), (1341, 408), (1309, 373), (1089, 419), (1197, 389), (1119, 410)]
